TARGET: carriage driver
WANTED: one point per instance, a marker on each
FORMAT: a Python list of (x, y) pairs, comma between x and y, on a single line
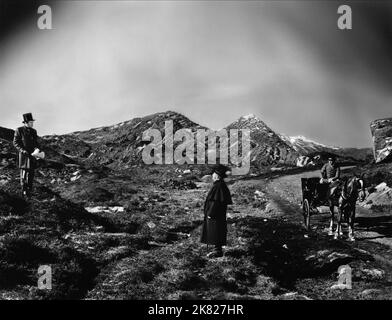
[(330, 173)]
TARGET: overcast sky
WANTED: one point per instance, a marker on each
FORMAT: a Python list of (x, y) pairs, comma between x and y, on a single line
[(285, 61)]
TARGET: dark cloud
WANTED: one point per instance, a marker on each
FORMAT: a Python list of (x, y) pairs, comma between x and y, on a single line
[(285, 61)]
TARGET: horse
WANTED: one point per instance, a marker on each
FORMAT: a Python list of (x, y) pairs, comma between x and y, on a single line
[(333, 201), (344, 198), (348, 196)]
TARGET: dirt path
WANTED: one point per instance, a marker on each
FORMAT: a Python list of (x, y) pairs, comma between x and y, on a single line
[(370, 226), (373, 230)]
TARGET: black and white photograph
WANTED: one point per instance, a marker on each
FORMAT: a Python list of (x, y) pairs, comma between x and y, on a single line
[(215, 151)]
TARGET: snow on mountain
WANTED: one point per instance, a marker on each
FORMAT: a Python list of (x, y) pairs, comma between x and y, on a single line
[(305, 145), (249, 116)]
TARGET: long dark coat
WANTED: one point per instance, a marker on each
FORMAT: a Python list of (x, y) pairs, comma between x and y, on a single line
[(215, 228), (26, 138)]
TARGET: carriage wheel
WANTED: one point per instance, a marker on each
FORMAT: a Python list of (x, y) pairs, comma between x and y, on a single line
[(306, 212)]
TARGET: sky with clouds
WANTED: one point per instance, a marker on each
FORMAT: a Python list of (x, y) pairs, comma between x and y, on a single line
[(285, 61)]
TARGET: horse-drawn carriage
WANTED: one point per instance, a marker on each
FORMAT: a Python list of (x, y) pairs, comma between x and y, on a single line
[(316, 194)]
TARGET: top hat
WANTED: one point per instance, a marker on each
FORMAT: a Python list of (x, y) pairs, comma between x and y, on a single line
[(27, 117), (332, 157), (221, 170)]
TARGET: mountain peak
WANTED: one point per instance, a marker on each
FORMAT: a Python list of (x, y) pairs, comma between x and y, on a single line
[(250, 121), (302, 140), (249, 116), (171, 112)]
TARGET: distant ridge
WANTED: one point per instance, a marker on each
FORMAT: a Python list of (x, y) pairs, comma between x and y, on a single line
[(307, 147), (120, 145)]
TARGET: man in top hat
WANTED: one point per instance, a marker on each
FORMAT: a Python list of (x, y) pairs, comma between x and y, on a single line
[(26, 141), (215, 207)]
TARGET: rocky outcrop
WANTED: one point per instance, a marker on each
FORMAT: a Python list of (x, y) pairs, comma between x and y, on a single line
[(382, 139), (380, 195)]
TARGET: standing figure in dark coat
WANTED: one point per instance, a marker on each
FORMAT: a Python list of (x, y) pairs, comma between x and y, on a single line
[(215, 225), (26, 141)]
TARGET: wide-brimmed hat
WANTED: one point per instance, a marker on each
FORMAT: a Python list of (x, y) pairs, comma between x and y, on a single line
[(221, 170), (28, 117)]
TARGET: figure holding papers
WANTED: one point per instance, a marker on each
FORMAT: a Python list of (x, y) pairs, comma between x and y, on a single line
[(26, 142)]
